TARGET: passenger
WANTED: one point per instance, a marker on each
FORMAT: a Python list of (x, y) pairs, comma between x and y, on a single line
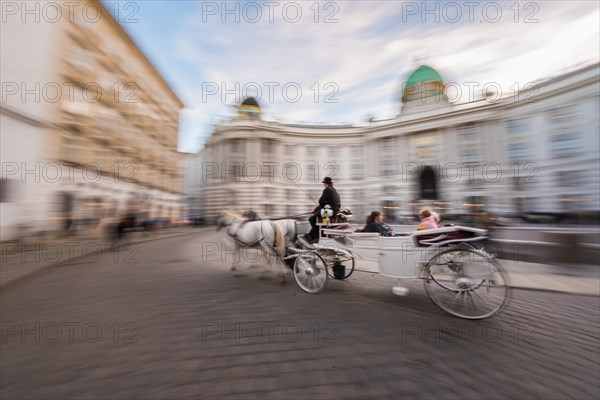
[(375, 224), (429, 220), (436, 218)]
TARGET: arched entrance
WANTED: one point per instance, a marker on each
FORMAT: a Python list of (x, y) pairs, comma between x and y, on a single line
[(428, 184)]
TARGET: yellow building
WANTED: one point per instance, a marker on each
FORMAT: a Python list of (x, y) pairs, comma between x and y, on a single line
[(103, 117)]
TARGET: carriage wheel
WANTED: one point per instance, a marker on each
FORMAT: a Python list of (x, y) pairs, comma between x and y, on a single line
[(467, 283), (340, 267), (310, 272)]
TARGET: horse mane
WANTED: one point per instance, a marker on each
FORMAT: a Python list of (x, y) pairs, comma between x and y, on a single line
[(251, 216), (227, 217)]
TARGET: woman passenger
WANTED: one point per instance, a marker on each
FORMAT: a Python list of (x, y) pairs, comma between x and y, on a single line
[(375, 224)]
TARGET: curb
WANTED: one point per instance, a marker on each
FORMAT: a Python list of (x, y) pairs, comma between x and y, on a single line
[(10, 284)]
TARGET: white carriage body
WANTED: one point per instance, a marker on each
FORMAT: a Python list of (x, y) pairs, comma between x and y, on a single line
[(461, 279), (403, 256)]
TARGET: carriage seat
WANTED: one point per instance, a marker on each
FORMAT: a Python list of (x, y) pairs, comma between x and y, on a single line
[(341, 217), (447, 235), (338, 219)]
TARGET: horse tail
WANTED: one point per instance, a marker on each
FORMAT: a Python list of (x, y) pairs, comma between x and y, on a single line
[(279, 240)]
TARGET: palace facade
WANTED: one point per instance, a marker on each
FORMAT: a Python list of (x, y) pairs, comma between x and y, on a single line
[(535, 152)]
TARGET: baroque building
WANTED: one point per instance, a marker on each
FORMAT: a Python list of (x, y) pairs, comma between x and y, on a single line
[(534, 152), (89, 125)]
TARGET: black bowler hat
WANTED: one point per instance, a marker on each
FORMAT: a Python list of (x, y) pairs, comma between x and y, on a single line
[(327, 180)]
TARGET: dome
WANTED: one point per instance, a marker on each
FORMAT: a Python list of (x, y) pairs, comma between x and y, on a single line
[(250, 101), (423, 82), (423, 74), (249, 108)]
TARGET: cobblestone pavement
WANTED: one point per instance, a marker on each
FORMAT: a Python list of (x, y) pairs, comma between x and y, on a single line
[(24, 260), (172, 322)]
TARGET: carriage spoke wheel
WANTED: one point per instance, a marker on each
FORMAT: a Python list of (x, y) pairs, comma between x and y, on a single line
[(340, 266), (467, 283), (310, 272)]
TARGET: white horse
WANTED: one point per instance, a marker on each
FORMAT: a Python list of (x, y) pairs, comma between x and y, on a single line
[(291, 229), (264, 234)]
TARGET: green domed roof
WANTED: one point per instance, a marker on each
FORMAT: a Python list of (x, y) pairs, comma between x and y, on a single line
[(423, 74), (423, 83)]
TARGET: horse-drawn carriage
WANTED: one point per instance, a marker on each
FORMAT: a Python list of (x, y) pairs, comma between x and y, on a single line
[(459, 275)]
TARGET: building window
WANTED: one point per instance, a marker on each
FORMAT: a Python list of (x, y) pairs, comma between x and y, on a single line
[(469, 144), (289, 150), (520, 151), (563, 116), (312, 172), (566, 144), (267, 146), (268, 171), (73, 148), (232, 171), (237, 146), (357, 171), (333, 151), (82, 60), (470, 154), (75, 103), (517, 126), (311, 151), (251, 171), (386, 145), (109, 121), (468, 134), (105, 159), (570, 178), (357, 152), (387, 167), (566, 140), (268, 209)]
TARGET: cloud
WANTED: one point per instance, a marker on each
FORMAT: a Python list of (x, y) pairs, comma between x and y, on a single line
[(367, 54)]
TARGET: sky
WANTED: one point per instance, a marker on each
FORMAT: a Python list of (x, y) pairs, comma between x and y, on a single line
[(341, 62)]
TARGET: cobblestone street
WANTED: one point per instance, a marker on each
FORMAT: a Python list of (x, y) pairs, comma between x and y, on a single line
[(172, 322)]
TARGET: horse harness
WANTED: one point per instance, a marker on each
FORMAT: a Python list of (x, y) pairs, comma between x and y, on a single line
[(234, 235)]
